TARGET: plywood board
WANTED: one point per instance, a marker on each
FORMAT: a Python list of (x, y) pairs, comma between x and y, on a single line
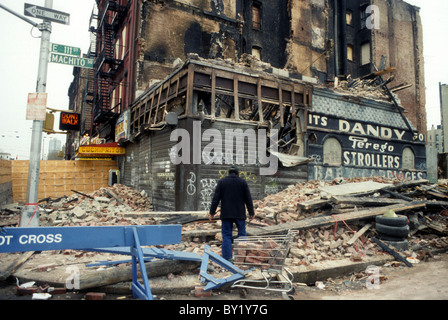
[(352, 188)]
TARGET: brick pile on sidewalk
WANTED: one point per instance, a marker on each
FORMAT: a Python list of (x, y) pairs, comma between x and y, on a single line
[(101, 207)]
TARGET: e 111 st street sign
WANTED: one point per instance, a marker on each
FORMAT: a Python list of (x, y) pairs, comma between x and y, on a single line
[(71, 61), (59, 48), (34, 11)]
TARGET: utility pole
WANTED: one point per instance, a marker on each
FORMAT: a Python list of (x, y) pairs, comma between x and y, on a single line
[(30, 212)]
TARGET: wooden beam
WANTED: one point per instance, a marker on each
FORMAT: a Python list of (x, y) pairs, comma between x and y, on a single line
[(358, 234), (401, 87), (158, 104), (16, 264), (150, 109), (190, 85), (392, 252), (260, 103), (235, 97), (137, 214), (293, 108), (323, 221), (213, 94), (365, 201), (280, 101)]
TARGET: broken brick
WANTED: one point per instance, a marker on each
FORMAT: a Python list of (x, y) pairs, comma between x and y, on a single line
[(95, 296), (200, 293)]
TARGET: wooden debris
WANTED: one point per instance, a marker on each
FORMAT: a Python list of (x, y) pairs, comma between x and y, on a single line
[(82, 194), (359, 234), (364, 201), (321, 221), (15, 265), (392, 252)]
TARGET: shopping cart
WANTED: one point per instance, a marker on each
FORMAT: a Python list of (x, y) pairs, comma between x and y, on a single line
[(266, 254)]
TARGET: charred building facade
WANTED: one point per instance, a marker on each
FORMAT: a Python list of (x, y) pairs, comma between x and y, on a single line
[(329, 79)]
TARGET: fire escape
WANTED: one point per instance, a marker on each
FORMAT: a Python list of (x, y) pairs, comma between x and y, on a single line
[(110, 18)]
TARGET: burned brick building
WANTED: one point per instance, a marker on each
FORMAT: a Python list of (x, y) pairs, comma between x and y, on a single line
[(323, 39), (338, 83)]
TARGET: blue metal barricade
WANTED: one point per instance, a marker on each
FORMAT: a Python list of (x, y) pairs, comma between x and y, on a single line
[(126, 240)]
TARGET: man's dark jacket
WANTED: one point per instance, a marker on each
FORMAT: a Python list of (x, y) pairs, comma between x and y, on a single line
[(234, 195)]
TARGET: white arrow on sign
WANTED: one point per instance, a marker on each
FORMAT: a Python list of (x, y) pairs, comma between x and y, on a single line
[(46, 13)]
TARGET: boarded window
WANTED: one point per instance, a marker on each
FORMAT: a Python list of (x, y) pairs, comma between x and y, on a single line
[(365, 53), (332, 152), (349, 17), (256, 16), (408, 159), (350, 52)]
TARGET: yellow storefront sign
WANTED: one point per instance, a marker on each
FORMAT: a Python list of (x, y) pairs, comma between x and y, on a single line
[(111, 149)]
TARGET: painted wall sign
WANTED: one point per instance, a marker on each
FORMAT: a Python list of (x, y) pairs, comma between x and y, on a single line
[(69, 121), (347, 148), (317, 121)]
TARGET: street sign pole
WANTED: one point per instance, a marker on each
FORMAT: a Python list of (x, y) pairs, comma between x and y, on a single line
[(30, 213)]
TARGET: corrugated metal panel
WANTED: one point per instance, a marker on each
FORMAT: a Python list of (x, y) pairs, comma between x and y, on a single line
[(145, 165), (163, 172), (130, 164), (210, 172)]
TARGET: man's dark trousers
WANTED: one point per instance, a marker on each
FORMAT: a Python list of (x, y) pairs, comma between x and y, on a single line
[(226, 230)]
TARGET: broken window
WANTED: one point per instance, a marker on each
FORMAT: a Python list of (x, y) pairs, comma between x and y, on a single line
[(256, 16), (363, 16)]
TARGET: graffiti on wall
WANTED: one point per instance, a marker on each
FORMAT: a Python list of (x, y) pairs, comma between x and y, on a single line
[(207, 190)]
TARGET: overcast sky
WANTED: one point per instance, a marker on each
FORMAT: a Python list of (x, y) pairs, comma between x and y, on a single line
[(435, 47), (19, 53)]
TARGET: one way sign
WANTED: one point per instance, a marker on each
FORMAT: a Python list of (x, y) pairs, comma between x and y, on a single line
[(34, 11)]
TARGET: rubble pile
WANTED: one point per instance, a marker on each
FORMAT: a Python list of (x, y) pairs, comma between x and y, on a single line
[(285, 206), (338, 241), (323, 244), (101, 207)]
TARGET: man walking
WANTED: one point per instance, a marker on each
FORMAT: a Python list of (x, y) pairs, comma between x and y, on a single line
[(234, 195)]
